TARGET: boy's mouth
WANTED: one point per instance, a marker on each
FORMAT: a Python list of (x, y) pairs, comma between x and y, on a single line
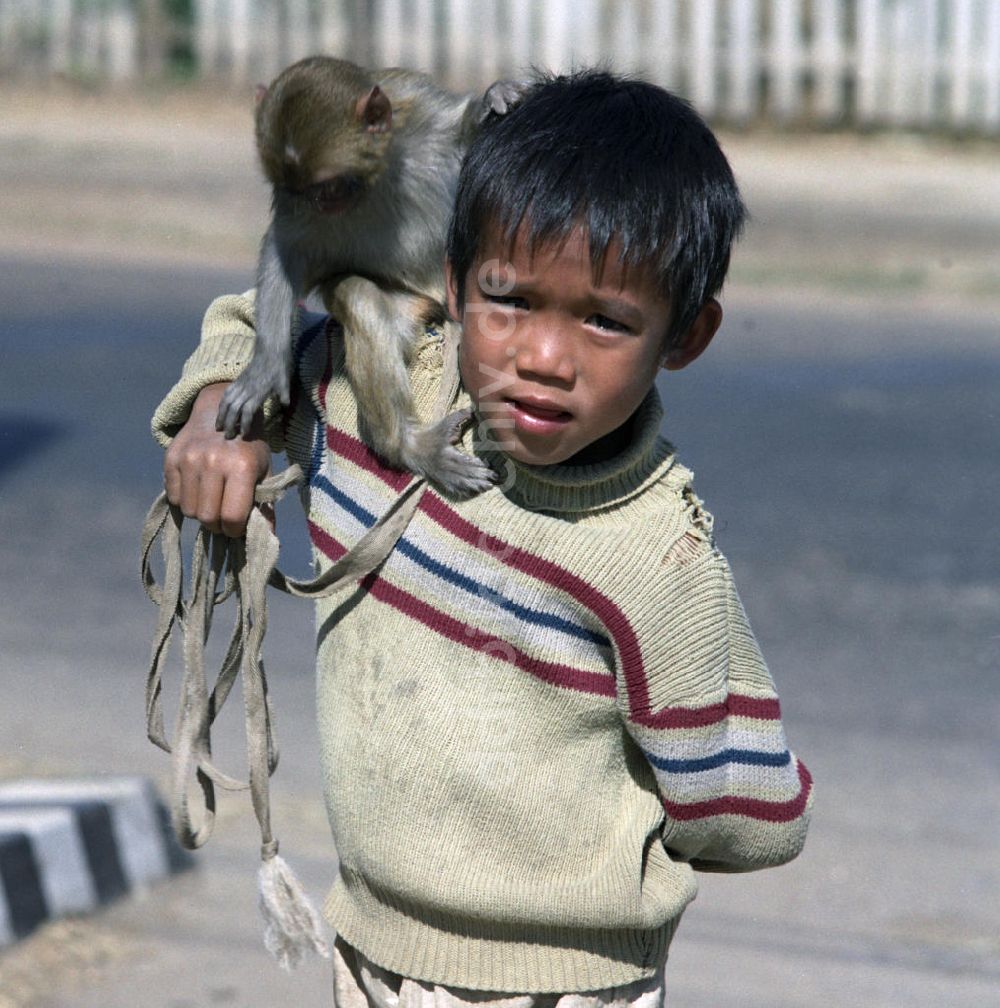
[(540, 416)]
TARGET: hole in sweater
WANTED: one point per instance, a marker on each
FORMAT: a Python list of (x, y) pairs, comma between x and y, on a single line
[(686, 549)]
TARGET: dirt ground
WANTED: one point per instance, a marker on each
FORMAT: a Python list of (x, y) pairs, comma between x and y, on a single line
[(171, 177)]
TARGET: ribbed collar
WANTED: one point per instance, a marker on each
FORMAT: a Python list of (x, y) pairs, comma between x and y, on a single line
[(564, 489)]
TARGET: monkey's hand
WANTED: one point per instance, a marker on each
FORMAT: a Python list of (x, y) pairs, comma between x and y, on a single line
[(430, 451), (501, 96), (266, 374)]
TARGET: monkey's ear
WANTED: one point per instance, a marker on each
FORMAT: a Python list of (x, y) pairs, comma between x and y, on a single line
[(258, 93), (374, 111)]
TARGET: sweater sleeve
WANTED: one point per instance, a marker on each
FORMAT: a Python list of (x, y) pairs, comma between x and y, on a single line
[(699, 702), (227, 337)]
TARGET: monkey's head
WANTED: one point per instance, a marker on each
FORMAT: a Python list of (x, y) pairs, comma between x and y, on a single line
[(323, 128)]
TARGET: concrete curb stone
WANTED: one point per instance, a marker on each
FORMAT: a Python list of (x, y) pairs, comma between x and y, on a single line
[(70, 846)]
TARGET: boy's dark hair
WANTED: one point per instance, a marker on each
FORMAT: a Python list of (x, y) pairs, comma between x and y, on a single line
[(622, 157)]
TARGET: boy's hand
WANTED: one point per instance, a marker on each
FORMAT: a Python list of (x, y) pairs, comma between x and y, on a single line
[(210, 478)]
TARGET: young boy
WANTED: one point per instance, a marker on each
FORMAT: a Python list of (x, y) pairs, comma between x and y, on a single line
[(546, 709)]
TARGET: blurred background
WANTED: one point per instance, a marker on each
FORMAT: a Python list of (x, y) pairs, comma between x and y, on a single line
[(844, 428)]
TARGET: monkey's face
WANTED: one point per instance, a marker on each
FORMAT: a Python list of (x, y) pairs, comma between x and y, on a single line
[(556, 357), (323, 138), (327, 181)]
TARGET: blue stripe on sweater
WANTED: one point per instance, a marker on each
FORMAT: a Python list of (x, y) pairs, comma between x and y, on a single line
[(750, 757), (445, 573)]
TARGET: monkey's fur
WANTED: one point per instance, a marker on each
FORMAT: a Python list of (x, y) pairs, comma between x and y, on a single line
[(363, 168)]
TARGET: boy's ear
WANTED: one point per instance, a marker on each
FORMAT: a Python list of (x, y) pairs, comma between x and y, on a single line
[(451, 292), (695, 341)]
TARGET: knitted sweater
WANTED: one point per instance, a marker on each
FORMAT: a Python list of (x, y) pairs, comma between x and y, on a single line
[(539, 714)]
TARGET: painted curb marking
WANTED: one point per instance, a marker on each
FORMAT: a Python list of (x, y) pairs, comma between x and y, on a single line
[(68, 846)]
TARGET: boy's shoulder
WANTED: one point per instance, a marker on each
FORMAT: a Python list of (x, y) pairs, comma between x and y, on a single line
[(320, 377), (319, 342), (678, 484), (671, 524)]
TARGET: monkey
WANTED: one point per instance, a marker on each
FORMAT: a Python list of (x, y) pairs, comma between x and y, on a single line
[(363, 168)]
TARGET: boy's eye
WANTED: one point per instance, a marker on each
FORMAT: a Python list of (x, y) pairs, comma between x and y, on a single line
[(603, 322), (507, 300)]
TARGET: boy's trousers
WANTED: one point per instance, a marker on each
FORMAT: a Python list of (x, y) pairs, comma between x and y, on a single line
[(359, 983)]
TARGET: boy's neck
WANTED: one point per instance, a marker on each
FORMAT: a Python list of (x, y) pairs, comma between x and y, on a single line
[(606, 447)]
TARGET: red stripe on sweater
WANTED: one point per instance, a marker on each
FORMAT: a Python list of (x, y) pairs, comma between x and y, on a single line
[(735, 705), (409, 605), (753, 808), (325, 542), (357, 452), (613, 619), (561, 675), (610, 615)]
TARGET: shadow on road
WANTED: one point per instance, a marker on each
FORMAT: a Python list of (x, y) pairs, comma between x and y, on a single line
[(24, 436)]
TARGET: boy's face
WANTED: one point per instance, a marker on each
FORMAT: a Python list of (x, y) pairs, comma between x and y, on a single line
[(554, 359)]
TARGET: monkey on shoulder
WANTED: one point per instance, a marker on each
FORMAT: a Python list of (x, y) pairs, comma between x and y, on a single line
[(363, 168)]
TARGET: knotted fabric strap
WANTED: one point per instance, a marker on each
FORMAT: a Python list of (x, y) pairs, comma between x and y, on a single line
[(222, 567)]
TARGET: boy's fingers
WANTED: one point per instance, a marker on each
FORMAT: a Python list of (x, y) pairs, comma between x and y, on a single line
[(235, 503), (172, 484), (208, 501)]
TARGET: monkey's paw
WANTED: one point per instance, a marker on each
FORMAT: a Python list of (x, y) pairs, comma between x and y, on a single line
[(502, 95), (431, 452), (259, 379)]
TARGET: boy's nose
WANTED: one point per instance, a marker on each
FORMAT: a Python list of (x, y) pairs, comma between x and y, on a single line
[(546, 353)]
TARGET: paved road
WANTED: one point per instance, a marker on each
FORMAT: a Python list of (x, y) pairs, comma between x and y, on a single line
[(850, 454)]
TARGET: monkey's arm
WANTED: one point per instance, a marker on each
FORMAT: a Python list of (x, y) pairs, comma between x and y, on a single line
[(278, 282)]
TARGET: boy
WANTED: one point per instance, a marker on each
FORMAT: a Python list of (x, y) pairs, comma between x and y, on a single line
[(546, 709)]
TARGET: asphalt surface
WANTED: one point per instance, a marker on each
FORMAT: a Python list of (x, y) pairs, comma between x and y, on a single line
[(849, 452)]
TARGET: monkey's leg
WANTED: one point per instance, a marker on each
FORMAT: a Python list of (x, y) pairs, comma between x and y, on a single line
[(379, 331), (268, 370)]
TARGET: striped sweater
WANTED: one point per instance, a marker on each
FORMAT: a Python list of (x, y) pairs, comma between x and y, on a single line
[(540, 714)]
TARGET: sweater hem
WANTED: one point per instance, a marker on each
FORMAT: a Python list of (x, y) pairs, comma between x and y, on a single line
[(488, 955)]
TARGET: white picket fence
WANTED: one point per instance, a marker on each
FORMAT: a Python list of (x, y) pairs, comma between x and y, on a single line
[(906, 63)]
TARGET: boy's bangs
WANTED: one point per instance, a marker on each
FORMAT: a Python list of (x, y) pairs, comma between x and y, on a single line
[(543, 209)]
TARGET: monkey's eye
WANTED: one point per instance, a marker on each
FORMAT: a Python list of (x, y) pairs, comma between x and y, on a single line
[(337, 194)]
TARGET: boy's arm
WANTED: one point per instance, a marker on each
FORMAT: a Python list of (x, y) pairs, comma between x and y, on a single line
[(210, 478), (699, 702), (227, 338)]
